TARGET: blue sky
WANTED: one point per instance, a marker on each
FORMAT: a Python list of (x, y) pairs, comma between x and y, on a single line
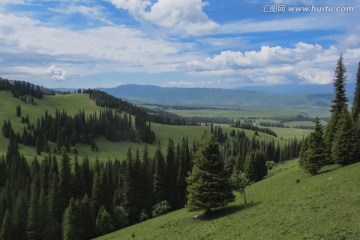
[(179, 43)]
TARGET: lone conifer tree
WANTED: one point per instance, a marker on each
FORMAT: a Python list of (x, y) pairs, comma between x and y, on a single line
[(355, 110), (208, 184), (313, 151)]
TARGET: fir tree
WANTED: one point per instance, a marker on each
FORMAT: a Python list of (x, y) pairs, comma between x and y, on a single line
[(313, 152), (355, 110), (71, 221), (159, 177), (171, 175), (19, 217), (255, 165), (6, 228), (65, 187), (208, 184), (343, 147), (33, 224), (339, 105)]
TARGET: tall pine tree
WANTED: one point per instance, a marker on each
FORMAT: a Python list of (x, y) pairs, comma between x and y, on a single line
[(339, 105)]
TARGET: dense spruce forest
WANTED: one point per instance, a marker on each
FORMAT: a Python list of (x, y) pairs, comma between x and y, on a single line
[(79, 199)]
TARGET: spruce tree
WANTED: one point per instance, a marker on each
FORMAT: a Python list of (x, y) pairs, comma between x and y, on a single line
[(6, 228), (343, 147), (255, 165), (313, 152), (159, 187), (33, 224), (339, 105), (171, 175), (208, 184), (65, 186), (355, 110), (71, 221)]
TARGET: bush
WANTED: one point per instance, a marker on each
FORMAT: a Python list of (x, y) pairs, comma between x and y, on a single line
[(161, 208)]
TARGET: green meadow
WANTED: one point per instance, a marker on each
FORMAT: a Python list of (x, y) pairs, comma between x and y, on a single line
[(111, 150)]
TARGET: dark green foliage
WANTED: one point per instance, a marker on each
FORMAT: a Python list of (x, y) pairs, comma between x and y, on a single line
[(339, 105), (104, 222), (18, 111), (34, 225), (355, 110), (6, 228), (71, 221), (251, 126), (121, 217), (313, 151), (161, 208), (65, 184), (208, 184), (343, 148), (255, 166), (171, 174), (159, 177), (19, 217)]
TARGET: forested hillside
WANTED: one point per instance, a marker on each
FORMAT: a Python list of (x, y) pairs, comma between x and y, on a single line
[(74, 193)]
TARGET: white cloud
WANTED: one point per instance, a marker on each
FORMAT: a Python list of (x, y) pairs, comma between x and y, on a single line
[(101, 49), (93, 12), (294, 24), (267, 55), (304, 63), (180, 84), (185, 16), (56, 73)]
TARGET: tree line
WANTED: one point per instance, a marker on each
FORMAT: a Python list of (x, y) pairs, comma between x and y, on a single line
[(66, 130), (340, 141)]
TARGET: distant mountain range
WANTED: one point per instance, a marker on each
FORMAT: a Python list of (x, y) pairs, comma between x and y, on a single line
[(263, 97), (299, 89)]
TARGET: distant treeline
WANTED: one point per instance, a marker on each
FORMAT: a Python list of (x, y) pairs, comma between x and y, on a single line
[(281, 125), (250, 126), (103, 99), (24, 90)]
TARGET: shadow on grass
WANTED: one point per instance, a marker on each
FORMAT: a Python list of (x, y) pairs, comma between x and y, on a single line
[(223, 212), (329, 168)]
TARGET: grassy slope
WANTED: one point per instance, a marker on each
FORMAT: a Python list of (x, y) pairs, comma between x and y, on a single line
[(325, 206)]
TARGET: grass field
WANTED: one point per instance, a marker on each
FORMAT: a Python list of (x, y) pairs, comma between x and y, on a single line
[(111, 150), (288, 205)]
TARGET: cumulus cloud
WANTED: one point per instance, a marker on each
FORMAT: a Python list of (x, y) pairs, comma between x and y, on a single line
[(304, 63), (92, 12), (185, 16), (56, 73), (99, 49)]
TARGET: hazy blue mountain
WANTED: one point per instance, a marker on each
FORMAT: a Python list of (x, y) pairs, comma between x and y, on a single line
[(298, 89), (217, 97)]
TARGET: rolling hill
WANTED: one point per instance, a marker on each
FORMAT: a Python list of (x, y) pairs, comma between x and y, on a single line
[(217, 97), (289, 204)]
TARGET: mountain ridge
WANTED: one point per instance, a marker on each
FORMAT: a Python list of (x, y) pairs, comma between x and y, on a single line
[(216, 97)]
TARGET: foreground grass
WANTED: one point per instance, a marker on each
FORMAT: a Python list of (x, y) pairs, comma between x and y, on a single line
[(288, 205)]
